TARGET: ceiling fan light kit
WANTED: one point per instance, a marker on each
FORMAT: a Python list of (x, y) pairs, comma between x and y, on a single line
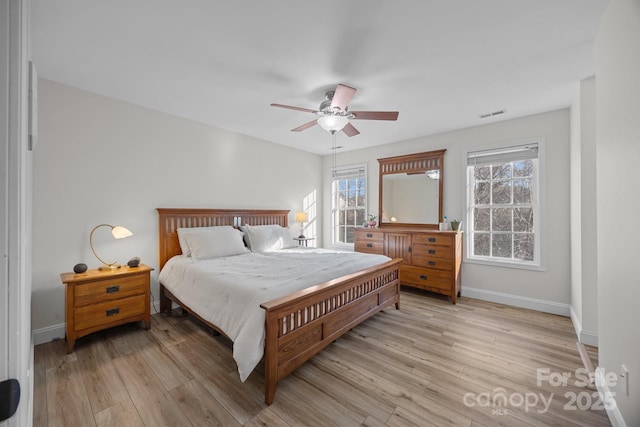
[(333, 123), (335, 115)]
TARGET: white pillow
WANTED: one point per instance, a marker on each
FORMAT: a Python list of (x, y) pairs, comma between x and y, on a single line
[(262, 238), (211, 242), (182, 239)]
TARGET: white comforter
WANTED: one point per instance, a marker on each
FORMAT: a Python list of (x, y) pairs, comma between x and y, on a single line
[(228, 291)]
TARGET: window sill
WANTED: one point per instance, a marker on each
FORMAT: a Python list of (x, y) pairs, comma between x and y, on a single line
[(505, 264)]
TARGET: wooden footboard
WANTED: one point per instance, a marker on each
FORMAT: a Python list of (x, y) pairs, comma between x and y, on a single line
[(301, 324)]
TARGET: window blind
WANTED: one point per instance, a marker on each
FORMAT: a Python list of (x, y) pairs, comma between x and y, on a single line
[(350, 172), (502, 155)]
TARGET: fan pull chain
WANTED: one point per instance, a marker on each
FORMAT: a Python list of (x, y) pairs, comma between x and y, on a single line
[(333, 172)]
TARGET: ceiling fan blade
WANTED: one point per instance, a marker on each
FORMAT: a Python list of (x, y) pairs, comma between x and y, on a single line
[(350, 130), (289, 107), (342, 97), (375, 115), (305, 126)]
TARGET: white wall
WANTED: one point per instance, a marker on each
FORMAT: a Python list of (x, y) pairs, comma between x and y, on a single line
[(100, 160), (548, 290), (583, 213), (618, 153)]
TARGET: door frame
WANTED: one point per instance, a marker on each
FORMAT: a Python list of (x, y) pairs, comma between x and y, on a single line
[(16, 343)]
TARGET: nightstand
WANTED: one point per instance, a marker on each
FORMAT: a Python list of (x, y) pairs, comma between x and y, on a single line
[(97, 300), (303, 241)]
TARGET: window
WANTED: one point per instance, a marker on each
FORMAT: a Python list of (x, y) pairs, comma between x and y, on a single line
[(503, 209), (349, 201)]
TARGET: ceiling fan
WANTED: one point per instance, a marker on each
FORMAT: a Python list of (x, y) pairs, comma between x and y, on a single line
[(335, 115)]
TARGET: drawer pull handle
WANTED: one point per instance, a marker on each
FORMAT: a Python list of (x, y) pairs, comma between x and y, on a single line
[(432, 251), (112, 289), (432, 239), (431, 263), (113, 311), (369, 245), (423, 277), (369, 235)]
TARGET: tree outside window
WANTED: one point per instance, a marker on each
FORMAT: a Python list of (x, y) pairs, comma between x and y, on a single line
[(503, 210), (349, 194)]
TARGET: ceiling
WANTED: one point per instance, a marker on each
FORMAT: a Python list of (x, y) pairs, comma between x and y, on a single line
[(441, 64)]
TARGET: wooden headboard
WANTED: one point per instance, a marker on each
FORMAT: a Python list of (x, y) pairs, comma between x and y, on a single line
[(170, 219)]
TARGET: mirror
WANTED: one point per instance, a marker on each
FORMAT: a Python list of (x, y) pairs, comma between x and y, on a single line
[(411, 189)]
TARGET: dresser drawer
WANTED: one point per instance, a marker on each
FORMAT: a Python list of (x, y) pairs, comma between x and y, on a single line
[(424, 259), (426, 277), (369, 235), (109, 311), (369, 241), (435, 239), (372, 247), (111, 289)]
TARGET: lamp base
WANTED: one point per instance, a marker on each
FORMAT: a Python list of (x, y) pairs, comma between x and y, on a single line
[(109, 267)]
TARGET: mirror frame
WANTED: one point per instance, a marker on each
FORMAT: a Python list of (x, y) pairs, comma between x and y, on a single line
[(412, 164)]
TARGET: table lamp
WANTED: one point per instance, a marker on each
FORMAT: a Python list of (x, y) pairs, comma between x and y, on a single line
[(118, 232), (302, 217)]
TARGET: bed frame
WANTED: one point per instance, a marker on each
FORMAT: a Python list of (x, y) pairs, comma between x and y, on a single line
[(299, 325)]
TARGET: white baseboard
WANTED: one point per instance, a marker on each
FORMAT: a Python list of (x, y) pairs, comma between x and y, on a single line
[(57, 332), (518, 301), (48, 333), (608, 400), (585, 337), (589, 338)]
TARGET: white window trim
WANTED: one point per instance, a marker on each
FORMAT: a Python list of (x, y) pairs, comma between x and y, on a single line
[(342, 245), (542, 216)]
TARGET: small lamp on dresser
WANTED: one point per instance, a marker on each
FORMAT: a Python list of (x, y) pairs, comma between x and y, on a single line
[(301, 217)]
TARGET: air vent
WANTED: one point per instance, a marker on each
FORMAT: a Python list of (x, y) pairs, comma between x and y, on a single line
[(495, 113)]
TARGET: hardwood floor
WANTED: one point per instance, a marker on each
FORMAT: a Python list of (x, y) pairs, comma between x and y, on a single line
[(430, 363)]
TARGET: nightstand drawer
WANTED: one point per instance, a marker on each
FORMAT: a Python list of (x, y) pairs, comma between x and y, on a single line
[(109, 311), (106, 290)]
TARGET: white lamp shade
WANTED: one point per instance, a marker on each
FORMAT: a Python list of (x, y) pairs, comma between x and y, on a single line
[(119, 232), (332, 123), (302, 217)]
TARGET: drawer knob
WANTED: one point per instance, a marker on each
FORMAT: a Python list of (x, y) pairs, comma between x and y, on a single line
[(423, 277), (432, 251), (113, 311), (431, 263), (369, 235), (369, 245), (432, 239), (112, 289)]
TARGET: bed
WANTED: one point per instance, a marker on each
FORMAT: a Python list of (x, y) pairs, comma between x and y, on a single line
[(297, 325)]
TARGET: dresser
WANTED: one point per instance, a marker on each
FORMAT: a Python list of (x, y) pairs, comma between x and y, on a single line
[(432, 258), (97, 300)]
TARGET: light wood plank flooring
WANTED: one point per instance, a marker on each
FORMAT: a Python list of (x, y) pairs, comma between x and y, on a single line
[(430, 363)]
